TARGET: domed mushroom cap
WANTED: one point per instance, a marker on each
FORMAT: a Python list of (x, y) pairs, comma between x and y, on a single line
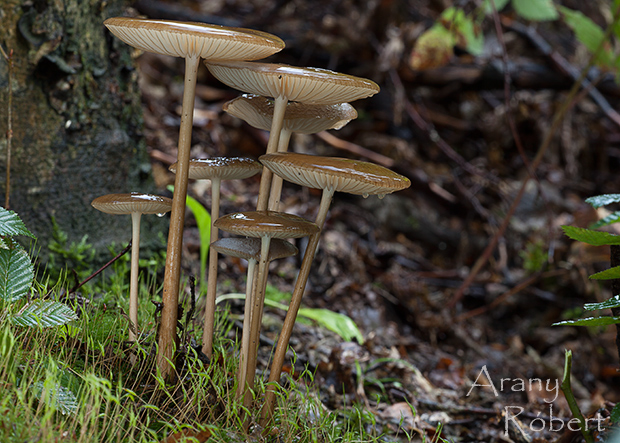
[(134, 202), (307, 85), (341, 174), (266, 224), (225, 168), (302, 118), (182, 39), (249, 248)]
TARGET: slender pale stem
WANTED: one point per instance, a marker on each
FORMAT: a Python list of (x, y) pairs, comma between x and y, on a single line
[(172, 276), (209, 320), (276, 181), (133, 285), (279, 109), (291, 315), (258, 300), (245, 336)]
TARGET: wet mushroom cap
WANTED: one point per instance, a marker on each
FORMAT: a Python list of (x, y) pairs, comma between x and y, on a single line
[(343, 174), (266, 223), (302, 118), (133, 202), (182, 39), (249, 248), (224, 168), (307, 85)]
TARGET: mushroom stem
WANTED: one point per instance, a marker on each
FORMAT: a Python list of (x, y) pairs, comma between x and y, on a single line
[(258, 299), (245, 336), (170, 297), (209, 316), (291, 314), (279, 109), (276, 181), (133, 285)]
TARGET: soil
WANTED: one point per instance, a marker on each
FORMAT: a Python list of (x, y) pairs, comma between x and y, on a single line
[(483, 359)]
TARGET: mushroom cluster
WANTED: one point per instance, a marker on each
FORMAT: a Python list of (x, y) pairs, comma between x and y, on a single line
[(283, 100)]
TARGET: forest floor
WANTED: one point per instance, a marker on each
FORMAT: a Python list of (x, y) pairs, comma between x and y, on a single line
[(395, 265)]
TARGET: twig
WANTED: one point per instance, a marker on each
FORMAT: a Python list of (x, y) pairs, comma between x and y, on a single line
[(566, 67), (100, 270), (355, 149), (424, 125), (9, 130), (568, 104), (192, 306), (513, 128)]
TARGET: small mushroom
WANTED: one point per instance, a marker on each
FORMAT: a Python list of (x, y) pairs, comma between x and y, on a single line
[(135, 204), (191, 41), (300, 118), (264, 225), (249, 249), (288, 83), (329, 174), (216, 169)]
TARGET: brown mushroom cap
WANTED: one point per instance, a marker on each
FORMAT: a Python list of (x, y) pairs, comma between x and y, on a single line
[(132, 203), (249, 248), (182, 39), (225, 168), (307, 85), (266, 224), (302, 118), (344, 175)]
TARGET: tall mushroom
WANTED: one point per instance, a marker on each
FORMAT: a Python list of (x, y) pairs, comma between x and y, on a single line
[(216, 169), (288, 83), (249, 249), (191, 41), (329, 174), (264, 225), (134, 204), (301, 118)]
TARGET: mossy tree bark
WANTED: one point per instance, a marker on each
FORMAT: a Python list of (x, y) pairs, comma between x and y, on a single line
[(76, 118)]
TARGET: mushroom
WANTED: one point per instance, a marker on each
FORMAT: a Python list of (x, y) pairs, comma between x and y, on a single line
[(264, 225), (191, 41), (329, 174), (249, 249), (301, 118), (216, 169), (135, 204), (288, 83)]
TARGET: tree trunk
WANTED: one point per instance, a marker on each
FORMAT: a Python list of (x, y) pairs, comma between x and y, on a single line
[(76, 119)]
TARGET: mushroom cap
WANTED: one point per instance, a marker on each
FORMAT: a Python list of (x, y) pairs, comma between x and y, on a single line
[(134, 202), (183, 39), (224, 168), (307, 85), (302, 118), (249, 248), (266, 224), (341, 174)]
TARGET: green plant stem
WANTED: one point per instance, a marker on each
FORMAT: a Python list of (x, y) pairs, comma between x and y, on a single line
[(614, 257), (570, 398), (557, 120)]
